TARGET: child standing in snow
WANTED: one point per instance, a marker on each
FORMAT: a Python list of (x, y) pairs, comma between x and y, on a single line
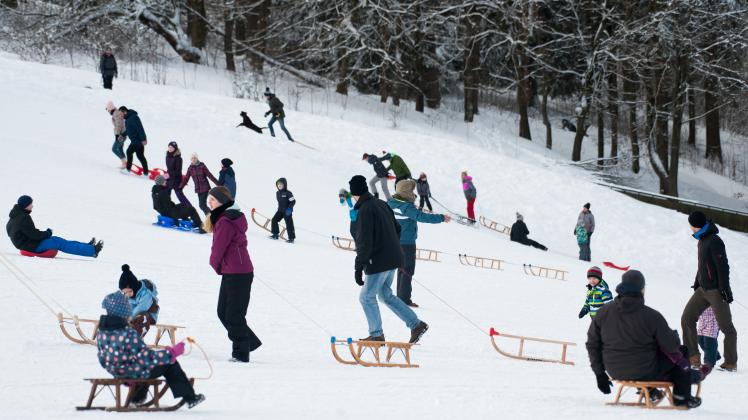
[(470, 194), (345, 198), (598, 293), (708, 331), (200, 174), (143, 297), (286, 201), (118, 122), (424, 192), (226, 177)]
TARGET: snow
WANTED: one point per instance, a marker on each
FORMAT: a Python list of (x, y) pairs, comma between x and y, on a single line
[(56, 140)]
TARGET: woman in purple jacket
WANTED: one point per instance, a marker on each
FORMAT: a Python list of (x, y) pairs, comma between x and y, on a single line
[(230, 259), (199, 174), (174, 171)]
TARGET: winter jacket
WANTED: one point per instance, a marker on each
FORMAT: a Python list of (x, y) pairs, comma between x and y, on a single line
[(227, 178), (707, 325), (397, 164), (276, 107), (377, 237), (519, 231), (228, 254), (597, 296), (468, 188), (422, 188), (123, 353), (118, 122), (625, 337), (713, 270), (587, 220), (108, 65), (174, 169), (134, 128), (408, 216), (21, 230), (145, 299), (199, 174), (352, 213), (161, 197), (285, 198), (379, 168)]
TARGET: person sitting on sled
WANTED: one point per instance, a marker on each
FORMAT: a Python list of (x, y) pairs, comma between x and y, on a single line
[(143, 297)]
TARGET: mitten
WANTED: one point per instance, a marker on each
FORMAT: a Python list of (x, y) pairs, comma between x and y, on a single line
[(176, 351), (604, 384), (359, 276), (267, 113), (48, 233), (726, 295), (585, 310)]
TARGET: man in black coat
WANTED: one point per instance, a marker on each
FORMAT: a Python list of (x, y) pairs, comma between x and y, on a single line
[(519, 234), (379, 255), (276, 108), (631, 341), (286, 201), (108, 67), (711, 288), (138, 139), (380, 175), (161, 196)]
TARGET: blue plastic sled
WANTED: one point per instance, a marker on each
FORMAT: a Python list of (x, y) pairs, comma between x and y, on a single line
[(168, 222)]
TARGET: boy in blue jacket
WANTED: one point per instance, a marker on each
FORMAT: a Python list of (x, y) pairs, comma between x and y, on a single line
[(143, 298)]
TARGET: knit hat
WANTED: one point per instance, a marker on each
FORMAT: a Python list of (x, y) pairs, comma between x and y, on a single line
[(405, 189), (342, 192), (226, 162), (195, 156), (697, 219), (358, 185), (365, 156), (128, 279), (160, 180), (519, 217), (24, 201), (587, 206), (174, 144), (268, 93), (110, 107), (222, 194), (116, 304), (595, 272), (632, 282)]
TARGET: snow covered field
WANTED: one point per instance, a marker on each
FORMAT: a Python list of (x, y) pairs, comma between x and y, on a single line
[(56, 140)]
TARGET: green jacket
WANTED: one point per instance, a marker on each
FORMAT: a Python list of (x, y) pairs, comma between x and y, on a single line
[(397, 164), (597, 297)]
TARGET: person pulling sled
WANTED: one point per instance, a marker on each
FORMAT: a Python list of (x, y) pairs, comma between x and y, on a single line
[(276, 108)]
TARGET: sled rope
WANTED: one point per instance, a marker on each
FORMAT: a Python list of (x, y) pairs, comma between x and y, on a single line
[(317, 324), (452, 308), (194, 343), (26, 281)]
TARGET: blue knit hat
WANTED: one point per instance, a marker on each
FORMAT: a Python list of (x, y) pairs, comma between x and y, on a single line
[(116, 304), (24, 201)]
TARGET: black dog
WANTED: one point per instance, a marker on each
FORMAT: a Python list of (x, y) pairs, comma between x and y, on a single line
[(246, 122)]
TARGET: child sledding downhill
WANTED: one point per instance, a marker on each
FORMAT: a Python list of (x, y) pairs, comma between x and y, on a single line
[(161, 197), (598, 293), (286, 202), (143, 298)]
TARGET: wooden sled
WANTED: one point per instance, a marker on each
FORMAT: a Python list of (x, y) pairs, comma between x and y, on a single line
[(480, 262), (495, 226), (360, 348), (345, 244), (114, 386), (427, 255), (348, 244), (162, 330), (50, 253), (644, 401), (266, 224), (549, 273), (520, 352)]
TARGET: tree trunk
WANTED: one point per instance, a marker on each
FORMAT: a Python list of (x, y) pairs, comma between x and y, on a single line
[(613, 110), (677, 114), (197, 27), (657, 127), (167, 32), (630, 94), (228, 39), (691, 116), (343, 67), (432, 88), (472, 61), (600, 136), (576, 151), (711, 109), (523, 93), (257, 25), (12, 4), (544, 111)]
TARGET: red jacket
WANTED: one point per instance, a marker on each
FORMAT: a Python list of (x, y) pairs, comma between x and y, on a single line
[(199, 174), (229, 254)]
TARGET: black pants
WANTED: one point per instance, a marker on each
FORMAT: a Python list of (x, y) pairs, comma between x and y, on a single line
[(233, 300), (405, 275), (275, 229), (107, 81), (175, 378), (668, 371), (202, 199), (427, 201), (530, 242), (186, 212), (699, 301), (139, 150)]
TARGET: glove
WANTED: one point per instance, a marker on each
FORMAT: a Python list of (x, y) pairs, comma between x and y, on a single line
[(176, 351), (726, 295), (604, 384), (277, 115), (267, 113), (359, 276), (289, 211), (48, 233), (585, 310)]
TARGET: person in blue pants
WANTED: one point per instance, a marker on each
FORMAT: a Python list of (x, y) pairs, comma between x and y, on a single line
[(26, 237), (276, 108)]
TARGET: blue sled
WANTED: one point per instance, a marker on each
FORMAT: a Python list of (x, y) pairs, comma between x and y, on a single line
[(168, 222)]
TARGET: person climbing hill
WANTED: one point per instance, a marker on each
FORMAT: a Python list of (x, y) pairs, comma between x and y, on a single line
[(424, 192), (398, 166), (276, 108), (138, 140), (583, 230), (347, 200), (286, 203), (470, 194), (174, 172), (118, 123), (380, 175)]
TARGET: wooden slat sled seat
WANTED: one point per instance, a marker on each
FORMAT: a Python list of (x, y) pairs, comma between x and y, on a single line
[(520, 354), (643, 397), (495, 226), (480, 262), (549, 273), (114, 387), (265, 224), (348, 244), (361, 349), (81, 337)]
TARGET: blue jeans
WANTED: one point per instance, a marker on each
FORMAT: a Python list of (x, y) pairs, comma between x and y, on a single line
[(380, 284), (117, 148), (283, 127), (709, 345), (68, 247)]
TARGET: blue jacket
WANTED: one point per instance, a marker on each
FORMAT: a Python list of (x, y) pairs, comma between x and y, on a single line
[(352, 213), (408, 216), (134, 128), (144, 299), (123, 353), (227, 178)]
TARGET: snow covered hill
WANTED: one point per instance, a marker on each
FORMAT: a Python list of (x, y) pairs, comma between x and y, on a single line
[(56, 140)]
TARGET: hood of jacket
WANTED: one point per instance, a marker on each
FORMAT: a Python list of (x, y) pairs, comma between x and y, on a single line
[(282, 181), (235, 216), (17, 210), (131, 113), (630, 302)]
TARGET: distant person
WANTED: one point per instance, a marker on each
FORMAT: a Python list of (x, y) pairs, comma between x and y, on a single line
[(118, 122), (276, 108), (174, 172), (398, 166), (583, 230), (161, 197), (143, 298), (424, 192), (200, 174), (380, 175), (470, 195), (519, 234), (598, 293), (108, 67), (138, 139), (227, 177), (286, 203), (347, 200)]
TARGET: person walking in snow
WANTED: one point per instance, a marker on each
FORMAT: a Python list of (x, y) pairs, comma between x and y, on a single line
[(26, 237), (470, 194), (379, 255), (598, 293), (276, 108), (118, 122), (398, 166), (519, 233), (380, 175), (708, 332), (227, 177), (199, 173), (122, 352), (408, 217), (583, 230), (286, 202), (143, 298), (108, 67), (138, 140), (174, 172), (161, 197), (346, 199), (424, 192), (230, 259), (711, 289)]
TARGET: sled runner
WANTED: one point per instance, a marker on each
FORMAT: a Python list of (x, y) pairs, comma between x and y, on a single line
[(617, 267), (463, 220), (266, 224), (643, 388), (520, 352), (549, 273), (495, 226), (427, 255), (114, 386), (346, 244), (50, 253), (359, 349), (162, 330), (480, 262)]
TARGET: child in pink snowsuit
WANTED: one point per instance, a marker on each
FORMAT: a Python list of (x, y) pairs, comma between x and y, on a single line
[(470, 193), (708, 331)]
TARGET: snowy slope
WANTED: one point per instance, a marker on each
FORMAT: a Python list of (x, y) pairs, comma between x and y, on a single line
[(56, 139)]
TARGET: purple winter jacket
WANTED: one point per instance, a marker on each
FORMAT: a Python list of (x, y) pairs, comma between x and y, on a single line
[(200, 174), (229, 254)]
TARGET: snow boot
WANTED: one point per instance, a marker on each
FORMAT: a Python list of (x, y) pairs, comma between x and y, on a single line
[(418, 332), (273, 237), (195, 401), (728, 367), (695, 361), (92, 241), (690, 402), (97, 248), (412, 304), (372, 338), (289, 241), (655, 395)]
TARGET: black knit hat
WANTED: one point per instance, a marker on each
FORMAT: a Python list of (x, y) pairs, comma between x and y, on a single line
[(632, 282), (222, 194), (595, 272), (24, 201), (697, 219), (128, 280), (226, 162), (268, 93), (587, 206), (358, 185)]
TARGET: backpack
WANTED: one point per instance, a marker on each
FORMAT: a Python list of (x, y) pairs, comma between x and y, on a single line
[(582, 237)]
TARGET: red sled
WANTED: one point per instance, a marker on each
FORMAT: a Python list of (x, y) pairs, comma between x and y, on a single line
[(611, 265), (137, 170), (50, 253), (155, 172)]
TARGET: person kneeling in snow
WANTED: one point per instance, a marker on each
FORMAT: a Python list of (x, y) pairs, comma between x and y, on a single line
[(519, 233), (598, 293), (161, 196), (123, 354), (143, 297), (26, 237)]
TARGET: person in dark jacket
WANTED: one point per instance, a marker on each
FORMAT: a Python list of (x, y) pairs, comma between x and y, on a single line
[(230, 259), (398, 166), (519, 234), (631, 341), (161, 196), (711, 288), (286, 202), (200, 174), (108, 67), (276, 108), (138, 140), (226, 176), (424, 192), (379, 255), (380, 175), (174, 172), (26, 237)]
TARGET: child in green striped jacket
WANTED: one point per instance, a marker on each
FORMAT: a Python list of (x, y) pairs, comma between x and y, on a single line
[(598, 293)]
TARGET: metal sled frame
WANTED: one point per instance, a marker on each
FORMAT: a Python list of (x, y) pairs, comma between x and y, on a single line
[(495, 226), (480, 262), (643, 401), (348, 244), (520, 355), (359, 348), (162, 330), (266, 224), (115, 389), (549, 273)]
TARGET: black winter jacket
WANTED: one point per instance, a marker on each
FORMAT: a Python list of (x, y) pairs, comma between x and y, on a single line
[(162, 203), (379, 168), (377, 236), (625, 337), (422, 188), (285, 198), (108, 65), (519, 231), (21, 230), (174, 169), (714, 270), (276, 107)]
